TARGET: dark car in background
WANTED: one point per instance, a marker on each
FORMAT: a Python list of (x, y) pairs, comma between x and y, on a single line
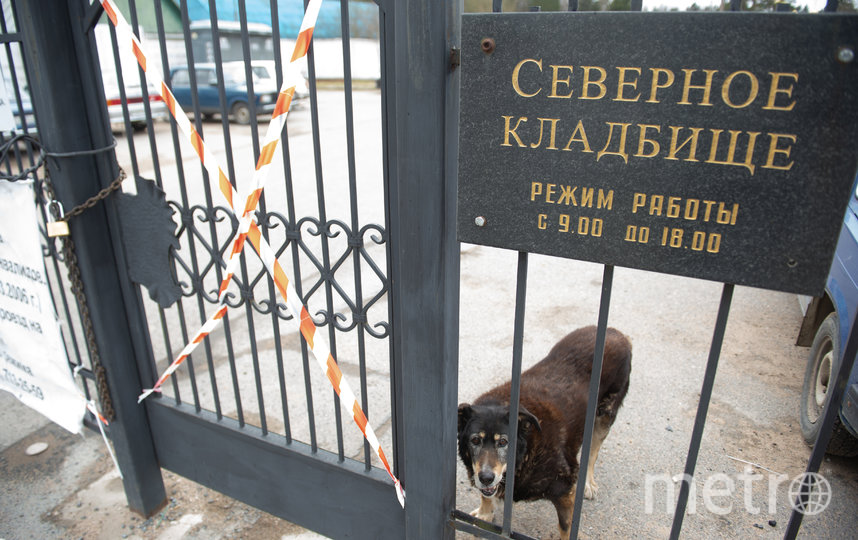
[(828, 321), (238, 103)]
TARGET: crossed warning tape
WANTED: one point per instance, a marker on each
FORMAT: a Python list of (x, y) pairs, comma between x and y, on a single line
[(249, 230)]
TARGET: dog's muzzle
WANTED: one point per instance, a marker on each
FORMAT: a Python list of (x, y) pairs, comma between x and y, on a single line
[(488, 483), (488, 492)]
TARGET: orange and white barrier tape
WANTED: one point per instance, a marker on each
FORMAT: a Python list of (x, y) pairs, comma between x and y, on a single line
[(100, 420), (271, 148), (249, 229)]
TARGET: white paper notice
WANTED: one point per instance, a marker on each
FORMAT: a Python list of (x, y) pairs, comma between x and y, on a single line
[(33, 362)]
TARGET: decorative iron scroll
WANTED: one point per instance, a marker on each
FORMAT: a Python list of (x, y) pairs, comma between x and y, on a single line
[(196, 220)]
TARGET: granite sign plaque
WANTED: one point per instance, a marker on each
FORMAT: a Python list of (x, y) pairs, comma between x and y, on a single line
[(720, 146)]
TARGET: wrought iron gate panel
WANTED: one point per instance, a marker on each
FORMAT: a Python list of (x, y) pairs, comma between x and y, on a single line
[(344, 262), (318, 250), (248, 413)]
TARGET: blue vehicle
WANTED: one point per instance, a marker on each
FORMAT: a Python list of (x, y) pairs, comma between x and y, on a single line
[(235, 89), (828, 321)]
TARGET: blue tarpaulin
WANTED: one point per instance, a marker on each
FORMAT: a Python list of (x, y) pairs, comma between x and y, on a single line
[(363, 16)]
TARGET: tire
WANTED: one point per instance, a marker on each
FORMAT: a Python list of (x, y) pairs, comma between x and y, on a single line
[(823, 363), (241, 113)]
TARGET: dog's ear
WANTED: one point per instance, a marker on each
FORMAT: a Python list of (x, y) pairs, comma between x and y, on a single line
[(525, 417), (465, 412)]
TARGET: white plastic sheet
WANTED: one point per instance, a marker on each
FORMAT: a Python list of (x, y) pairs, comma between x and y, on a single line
[(33, 361)]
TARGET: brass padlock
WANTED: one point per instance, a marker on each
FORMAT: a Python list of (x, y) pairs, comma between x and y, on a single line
[(60, 227)]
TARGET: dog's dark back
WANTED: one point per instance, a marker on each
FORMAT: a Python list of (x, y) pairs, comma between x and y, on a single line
[(555, 392), (570, 363)]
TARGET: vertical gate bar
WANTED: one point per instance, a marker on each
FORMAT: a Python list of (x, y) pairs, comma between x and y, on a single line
[(273, 297), (355, 221), (637, 5), (293, 237), (831, 6), (59, 55), (593, 396), (323, 229), (17, 91), (120, 84), (573, 5), (248, 79), (144, 88), (165, 331), (305, 357), (180, 171), (254, 137), (216, 256), (230, 164), (735, 5), (515, 388), (425, 257), (702, 408), (832, 410), (198, 277), (387, 59)]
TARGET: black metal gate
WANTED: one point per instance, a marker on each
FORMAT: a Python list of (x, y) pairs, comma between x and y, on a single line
[(248, 414), (378, 269)]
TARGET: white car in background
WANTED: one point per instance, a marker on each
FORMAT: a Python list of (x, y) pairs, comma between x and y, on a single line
[(136, 106), (134, 98), (266, 70)]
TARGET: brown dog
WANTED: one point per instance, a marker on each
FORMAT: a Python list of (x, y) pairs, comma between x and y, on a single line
[(551, 416)]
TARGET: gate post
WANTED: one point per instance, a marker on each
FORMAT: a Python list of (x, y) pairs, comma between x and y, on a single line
[(67, 94), (425, 257)]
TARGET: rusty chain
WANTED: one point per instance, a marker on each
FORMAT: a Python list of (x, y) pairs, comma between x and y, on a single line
[(98, 370), (101, 195), (74, 275)]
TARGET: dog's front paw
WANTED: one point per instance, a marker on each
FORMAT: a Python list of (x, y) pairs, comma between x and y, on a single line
[(485, 516), (486, 510), (590, 489)]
